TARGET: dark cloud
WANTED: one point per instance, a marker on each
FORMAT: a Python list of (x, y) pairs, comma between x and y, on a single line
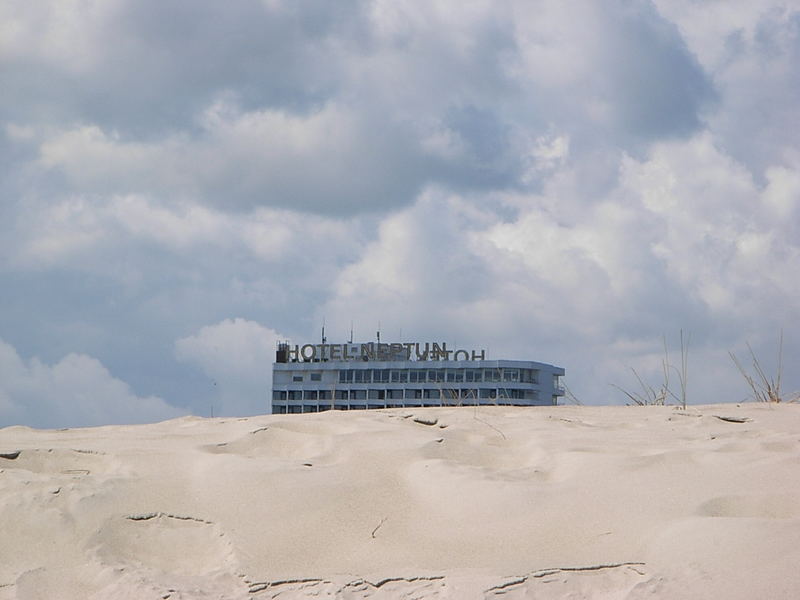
[(143, 68), (656, 86), (235, 105)]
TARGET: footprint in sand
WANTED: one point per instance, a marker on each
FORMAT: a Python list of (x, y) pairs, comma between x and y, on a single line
[(277, 442), (762, 506), (174, 544), (57, 461)]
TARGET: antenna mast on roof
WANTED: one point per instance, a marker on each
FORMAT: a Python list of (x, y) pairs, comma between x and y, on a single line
[(324, 339), (351, 332), (379, 331)]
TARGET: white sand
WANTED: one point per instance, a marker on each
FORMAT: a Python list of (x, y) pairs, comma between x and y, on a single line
[(577, 502)]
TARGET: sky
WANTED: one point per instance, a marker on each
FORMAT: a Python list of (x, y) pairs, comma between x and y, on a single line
[(183, 184)]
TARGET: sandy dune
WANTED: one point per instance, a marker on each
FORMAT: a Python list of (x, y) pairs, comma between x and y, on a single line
[(562, 502)]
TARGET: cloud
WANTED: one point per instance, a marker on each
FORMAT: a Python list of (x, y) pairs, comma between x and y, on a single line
[(122, 278), (750, 52), (77, 391), (414, 97), (148, 65), (686, 240), (76, 228), (237, 355), (246, 159)]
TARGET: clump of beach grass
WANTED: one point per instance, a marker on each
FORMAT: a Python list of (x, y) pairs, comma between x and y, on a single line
[(650, 395), (765, 388)]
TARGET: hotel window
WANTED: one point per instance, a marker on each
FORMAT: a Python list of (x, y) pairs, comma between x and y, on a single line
[(413, 394), (297, 378), (395, 394), (377, 394), (455, 375), (491, 374), (310, 395), (469, 393), (488, 393), (316, 376), (474, 375), (432, 394), (450, 395), (510, 374), (324, 394), (436, 374), (295, 395), (341, 394), (362, 376), (346, 376), (278, 395)]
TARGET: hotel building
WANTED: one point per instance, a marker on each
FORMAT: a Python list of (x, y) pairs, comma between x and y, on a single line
[(318, 377)]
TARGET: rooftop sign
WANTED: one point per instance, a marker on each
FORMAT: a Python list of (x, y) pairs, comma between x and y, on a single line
[(375, 351)]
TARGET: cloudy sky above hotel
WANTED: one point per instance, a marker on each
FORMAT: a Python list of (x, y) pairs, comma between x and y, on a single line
[(184, 183)]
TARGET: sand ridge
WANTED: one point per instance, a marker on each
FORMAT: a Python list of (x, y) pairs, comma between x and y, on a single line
[(578, 502)]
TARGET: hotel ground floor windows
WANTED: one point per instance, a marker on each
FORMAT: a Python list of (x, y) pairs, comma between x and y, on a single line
[(397, 397), (358, 399)]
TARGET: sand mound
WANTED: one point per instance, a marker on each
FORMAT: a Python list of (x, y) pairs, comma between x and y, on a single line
[(562, 502)]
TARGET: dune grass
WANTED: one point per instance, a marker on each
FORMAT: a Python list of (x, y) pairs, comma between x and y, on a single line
[(661, 395), (765, 388)]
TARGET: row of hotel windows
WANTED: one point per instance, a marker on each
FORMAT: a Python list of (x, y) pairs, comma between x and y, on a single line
[(312, 408), (430, 375), (408, 394)]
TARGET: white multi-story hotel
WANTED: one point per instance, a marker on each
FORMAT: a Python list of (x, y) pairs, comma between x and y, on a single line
[(317, 377)]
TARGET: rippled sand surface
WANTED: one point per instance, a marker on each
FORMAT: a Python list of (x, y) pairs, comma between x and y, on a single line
[(561, 502)]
